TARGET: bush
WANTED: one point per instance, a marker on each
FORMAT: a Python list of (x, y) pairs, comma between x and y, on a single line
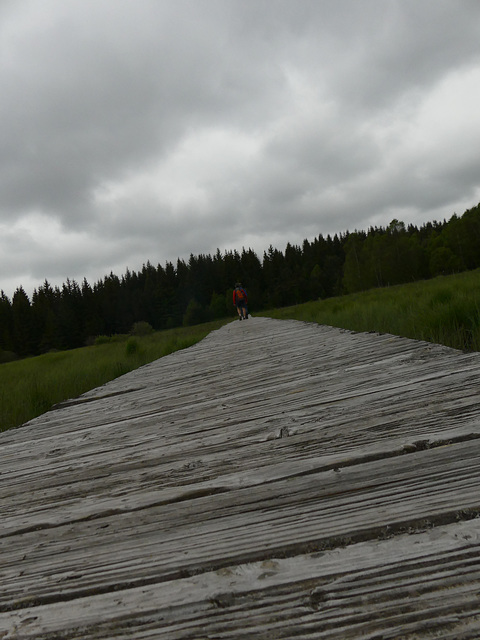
[(132, 347), (102, 340), (194, 314), (7, 356), (141, 328), (119, 337), (218, 308)]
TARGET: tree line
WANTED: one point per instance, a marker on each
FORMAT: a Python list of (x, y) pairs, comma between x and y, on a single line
[(200, 289)]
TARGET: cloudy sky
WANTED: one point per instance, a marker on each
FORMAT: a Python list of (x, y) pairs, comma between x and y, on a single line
[(135, 130)]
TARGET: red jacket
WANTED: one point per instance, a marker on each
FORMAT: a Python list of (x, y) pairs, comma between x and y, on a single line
[(236, 296)]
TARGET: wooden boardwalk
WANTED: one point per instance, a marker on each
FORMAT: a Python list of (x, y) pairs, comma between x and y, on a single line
[(277, 480)]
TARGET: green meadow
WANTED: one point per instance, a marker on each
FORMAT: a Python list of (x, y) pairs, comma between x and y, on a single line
[(32, 386), (445, 310)]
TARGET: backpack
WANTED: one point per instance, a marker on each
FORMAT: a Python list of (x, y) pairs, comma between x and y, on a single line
[(240, 295)]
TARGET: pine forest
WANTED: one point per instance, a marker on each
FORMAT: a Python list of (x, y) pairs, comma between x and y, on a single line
[(188, 293)]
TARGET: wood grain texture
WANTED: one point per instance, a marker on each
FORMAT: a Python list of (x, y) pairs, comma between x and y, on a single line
[(277, 480)]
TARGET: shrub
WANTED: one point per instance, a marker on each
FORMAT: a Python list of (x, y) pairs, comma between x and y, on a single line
[(194, 314), (141, 328), (7, 356), (132, 347), (217, 308), (119, 337)]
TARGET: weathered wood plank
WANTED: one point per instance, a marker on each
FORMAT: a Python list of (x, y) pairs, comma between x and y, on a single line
[(277, 519), (400, 587), (194, 465)]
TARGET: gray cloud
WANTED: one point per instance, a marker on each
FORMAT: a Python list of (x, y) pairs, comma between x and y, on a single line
[(152, 130)]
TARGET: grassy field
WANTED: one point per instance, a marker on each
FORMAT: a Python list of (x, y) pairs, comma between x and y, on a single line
[(30, 387), (445, 310)]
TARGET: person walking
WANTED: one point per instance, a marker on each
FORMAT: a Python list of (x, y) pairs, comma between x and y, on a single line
[(240, 301)]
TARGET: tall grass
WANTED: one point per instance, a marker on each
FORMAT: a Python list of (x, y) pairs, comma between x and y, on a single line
[(32, 386), (445, 310)]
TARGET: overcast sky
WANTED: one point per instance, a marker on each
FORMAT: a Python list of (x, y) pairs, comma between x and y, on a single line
[(135, 130)]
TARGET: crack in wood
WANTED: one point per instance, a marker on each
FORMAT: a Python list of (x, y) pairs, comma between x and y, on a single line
[(414, 447), (193, 494), (76, 401)]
